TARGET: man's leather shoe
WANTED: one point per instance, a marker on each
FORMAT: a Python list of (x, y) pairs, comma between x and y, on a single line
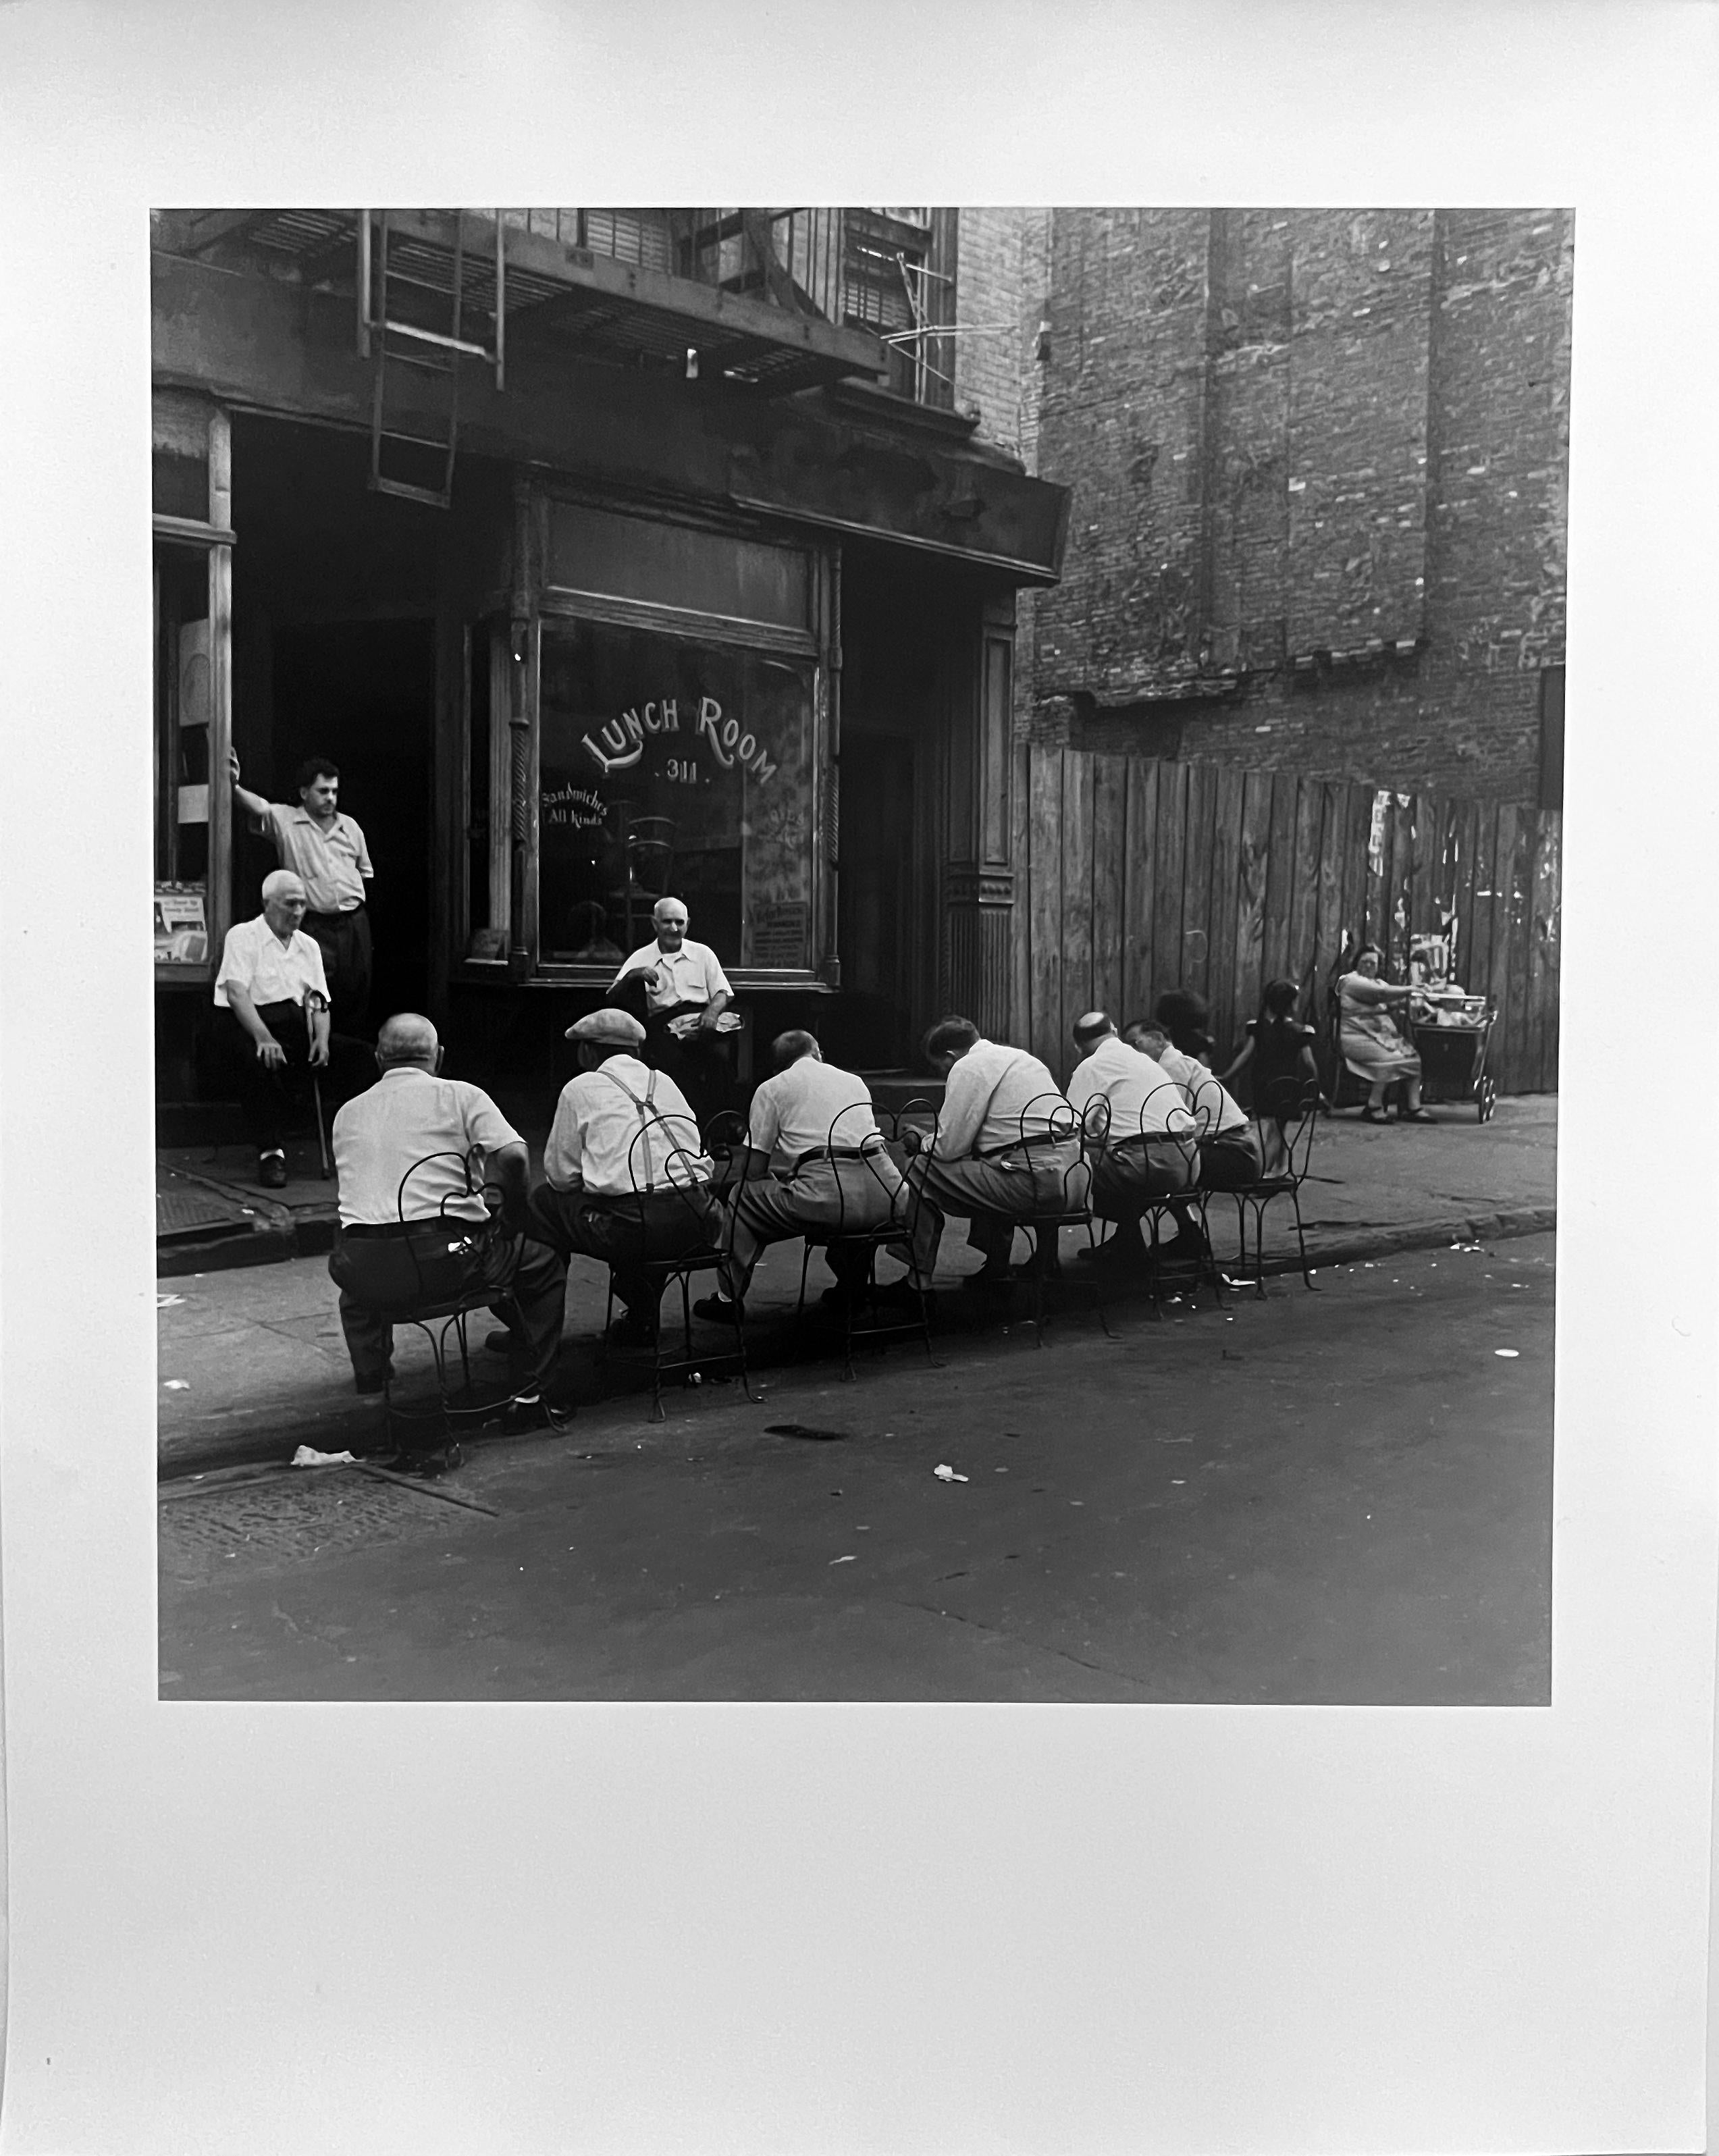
[(717, 1310), (271, 1171)]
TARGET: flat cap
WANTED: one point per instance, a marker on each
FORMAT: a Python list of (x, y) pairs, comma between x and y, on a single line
[(608, 1025)]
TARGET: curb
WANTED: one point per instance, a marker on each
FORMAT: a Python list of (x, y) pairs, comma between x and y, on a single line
[(330, 1432)]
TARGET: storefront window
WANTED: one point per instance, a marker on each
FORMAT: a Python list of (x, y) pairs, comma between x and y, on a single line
[(183, 705), (671, 767)]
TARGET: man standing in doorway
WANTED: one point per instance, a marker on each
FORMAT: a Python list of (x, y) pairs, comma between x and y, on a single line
[(677, 989), (326, 850)]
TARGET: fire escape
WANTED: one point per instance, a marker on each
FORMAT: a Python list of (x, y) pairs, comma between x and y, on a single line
[(759, 298)]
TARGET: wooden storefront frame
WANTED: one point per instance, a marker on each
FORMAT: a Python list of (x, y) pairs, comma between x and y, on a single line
[(214, 538), (515, 642)]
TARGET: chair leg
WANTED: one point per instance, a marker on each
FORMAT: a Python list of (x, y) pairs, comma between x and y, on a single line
[(1259, 1251), (746, 1383), (1038, 1236), (805, 1266), (1151, 1266), (1307, 1278)]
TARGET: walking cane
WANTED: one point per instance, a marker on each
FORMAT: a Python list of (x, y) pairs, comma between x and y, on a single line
[(313, 1004)]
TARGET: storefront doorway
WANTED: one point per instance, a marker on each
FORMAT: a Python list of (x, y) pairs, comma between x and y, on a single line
[(364, 694)]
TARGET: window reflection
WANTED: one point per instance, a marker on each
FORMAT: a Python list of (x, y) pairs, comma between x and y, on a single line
[(667, 766)]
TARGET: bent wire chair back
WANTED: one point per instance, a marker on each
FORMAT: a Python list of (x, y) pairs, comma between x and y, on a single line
[(660, 1163), (1299, 1130), (1051, 1120), (859, 1229)]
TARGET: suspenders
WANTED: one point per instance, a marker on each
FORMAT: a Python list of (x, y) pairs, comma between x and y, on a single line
[(648, 1114)]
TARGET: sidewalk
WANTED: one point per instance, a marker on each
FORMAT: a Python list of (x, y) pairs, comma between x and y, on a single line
[(252, 1363)]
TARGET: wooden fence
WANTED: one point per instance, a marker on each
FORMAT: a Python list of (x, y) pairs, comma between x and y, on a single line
[(1142, 875)]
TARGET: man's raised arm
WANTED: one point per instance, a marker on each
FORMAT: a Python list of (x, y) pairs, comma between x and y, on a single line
[(253, 805)]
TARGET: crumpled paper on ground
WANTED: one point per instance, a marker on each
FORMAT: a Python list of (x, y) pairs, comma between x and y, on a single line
[(947, 1473), (307, 1455)]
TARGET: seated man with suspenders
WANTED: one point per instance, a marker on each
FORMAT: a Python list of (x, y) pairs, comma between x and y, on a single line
[(628, 1179), (813, 1125), (1007, 1145)]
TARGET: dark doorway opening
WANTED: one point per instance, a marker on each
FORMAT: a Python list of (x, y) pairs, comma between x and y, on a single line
[(364, 694), (875, 902)]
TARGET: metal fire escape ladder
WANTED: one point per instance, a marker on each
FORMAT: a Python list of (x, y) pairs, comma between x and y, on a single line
[(391, 341)]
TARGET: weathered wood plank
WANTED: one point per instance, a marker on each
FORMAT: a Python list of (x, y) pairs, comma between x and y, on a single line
[(1250, 888), (1519, 908), (1020, 1000), (1280, 866), (1076, 899), (1228, 1019), (1328, 917), (1300, 950), (1167, 880), (1139, 872), (1197, 880), (1109, 803), (1046, 896), (1426, 832), (1483, 899), (1541, 1073), (1402, 881), (1499, 929), (1465, 849)]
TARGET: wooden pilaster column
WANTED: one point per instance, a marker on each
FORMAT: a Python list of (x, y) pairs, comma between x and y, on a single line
[(525, 631), (978, 873)]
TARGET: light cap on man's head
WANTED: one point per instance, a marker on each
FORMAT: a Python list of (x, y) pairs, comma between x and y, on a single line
[(610, 1024)]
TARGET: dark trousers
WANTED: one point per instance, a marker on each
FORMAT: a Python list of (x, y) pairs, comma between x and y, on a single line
[(1138, 1173), (701, 1066), (1233, 1162), (626, 1234), (344, 940), (268, 1099), (384, 1274)]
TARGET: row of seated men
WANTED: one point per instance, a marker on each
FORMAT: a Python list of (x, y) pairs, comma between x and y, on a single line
[(627, 1181)]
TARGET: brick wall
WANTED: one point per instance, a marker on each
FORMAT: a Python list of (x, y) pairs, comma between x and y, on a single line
[(1319, 462)]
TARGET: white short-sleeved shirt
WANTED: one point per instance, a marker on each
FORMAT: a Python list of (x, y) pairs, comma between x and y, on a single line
[(597, 1121), (792, 1114), (405, 1117), (332, 862), (995, 1096), (1145, 1100), (254, 958), (1203, 1093), (693, 974)]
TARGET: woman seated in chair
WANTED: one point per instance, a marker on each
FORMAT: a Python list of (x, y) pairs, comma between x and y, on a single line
[(1368, 1039)]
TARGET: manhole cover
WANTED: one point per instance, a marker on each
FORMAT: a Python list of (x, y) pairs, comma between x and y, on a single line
[(310, 1515)]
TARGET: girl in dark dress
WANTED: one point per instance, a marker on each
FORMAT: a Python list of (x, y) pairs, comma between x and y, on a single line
[(1279, 1050)]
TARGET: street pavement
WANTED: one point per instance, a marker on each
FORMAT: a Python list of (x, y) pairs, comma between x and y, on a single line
[(252, 1363), (1336, 1496)]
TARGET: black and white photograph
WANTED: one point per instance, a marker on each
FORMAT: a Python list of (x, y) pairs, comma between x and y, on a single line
[(840, 842), (866, 1330)]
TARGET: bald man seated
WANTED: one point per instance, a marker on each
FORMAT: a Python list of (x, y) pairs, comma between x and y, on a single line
[(813, 1160), (274, 995), (1007, 1148), (414, 1226)]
